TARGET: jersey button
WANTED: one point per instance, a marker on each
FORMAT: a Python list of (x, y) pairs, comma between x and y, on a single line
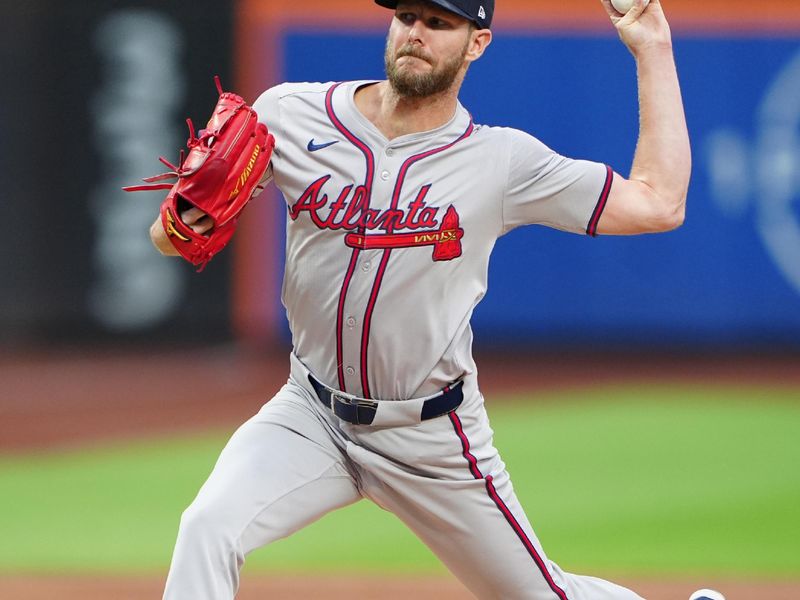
[(350, 371), (366, 266), (389, 152), (385, 175), (351, 322)]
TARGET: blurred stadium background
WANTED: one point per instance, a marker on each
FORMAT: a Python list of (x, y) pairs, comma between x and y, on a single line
[(122, 373)]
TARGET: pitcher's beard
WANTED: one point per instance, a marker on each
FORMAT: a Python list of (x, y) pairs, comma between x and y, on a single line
[(421, 85)]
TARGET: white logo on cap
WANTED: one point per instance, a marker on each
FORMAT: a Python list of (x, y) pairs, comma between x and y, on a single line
[(481, 13)]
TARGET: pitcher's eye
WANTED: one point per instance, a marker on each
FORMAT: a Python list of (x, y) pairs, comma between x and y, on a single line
[(436, 23), (406, 17)]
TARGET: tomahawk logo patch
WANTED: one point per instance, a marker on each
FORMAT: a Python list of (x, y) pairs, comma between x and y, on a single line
[(446, 240)]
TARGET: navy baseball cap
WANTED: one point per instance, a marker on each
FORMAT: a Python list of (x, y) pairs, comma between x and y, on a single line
[(478, 11)]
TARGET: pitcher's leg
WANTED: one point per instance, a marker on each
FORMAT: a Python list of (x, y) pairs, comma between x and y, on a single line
[(471, 519), (269, 481)]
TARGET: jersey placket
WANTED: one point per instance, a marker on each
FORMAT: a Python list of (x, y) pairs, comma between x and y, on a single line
[(364, 286)]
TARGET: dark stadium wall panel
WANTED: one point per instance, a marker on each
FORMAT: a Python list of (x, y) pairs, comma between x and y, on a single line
[(93, 93)]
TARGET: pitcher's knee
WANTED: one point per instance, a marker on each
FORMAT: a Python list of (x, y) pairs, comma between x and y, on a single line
[(205, 527), (207, 557)]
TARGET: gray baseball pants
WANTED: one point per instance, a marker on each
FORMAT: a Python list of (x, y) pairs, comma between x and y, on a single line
[(294, 462)]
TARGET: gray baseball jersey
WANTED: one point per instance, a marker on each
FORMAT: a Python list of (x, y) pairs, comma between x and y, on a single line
[(387, 252), (388, 242)]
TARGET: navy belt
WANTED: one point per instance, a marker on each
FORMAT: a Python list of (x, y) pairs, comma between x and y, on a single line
[(361, 411)]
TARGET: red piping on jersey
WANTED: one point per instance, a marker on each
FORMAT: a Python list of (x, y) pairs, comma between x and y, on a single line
[(502, 506), (591, 229), (354, 256), (376, 286)]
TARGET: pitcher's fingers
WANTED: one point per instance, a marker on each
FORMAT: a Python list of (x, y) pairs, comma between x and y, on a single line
[(192, 215), (203, 225), (638, 7)]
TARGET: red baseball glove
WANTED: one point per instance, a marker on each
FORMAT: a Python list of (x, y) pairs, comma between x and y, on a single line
[(219, 175)]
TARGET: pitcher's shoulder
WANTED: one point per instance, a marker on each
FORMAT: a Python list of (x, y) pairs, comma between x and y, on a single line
[(283, 90)]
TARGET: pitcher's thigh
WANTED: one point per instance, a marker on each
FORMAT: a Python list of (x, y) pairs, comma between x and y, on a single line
[(270, 481)]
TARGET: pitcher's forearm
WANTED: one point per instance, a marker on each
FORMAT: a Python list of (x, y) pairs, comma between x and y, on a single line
[(663, 155)]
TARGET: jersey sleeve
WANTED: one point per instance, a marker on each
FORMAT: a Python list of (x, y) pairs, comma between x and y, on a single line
[(267, 108), (546, 188)]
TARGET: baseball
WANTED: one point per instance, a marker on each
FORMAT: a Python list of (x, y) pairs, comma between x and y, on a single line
[(623, 6), (706, 595)]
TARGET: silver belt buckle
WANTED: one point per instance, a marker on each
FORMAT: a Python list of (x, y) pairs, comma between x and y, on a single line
[(352, 400), (354, 413), (337, 397)]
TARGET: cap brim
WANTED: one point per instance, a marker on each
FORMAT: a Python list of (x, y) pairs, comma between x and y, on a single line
[(443, 3)]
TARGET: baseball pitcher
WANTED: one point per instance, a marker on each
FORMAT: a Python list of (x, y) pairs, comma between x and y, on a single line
[(394, 201)]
